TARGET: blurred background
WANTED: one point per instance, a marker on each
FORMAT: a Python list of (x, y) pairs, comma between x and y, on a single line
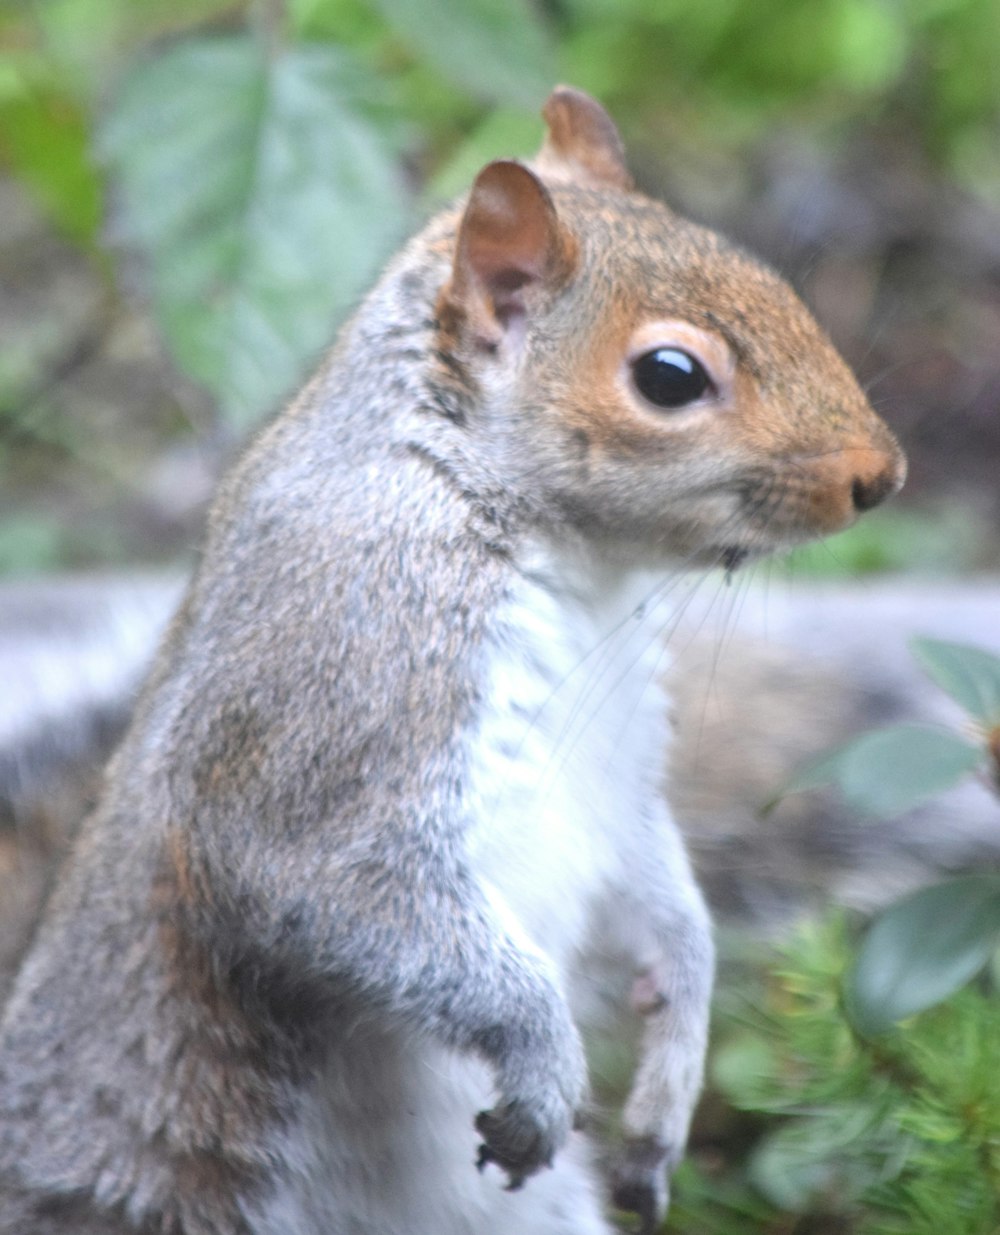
[(194, 192)]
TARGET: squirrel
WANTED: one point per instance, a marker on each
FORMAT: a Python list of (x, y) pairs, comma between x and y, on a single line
[(393, 785)]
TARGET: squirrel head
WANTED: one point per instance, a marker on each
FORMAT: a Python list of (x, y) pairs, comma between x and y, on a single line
[(640, 376)]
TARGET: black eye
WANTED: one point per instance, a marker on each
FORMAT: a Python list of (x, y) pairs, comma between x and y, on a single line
[(669, 377)]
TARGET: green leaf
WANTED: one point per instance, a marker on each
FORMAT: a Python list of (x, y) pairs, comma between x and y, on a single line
[(970, 675), (264, 199), (923, 949), (813, 774), (871, 44), (44, 139), (890, 771), (498, 50), (350, 23), (505, 134)]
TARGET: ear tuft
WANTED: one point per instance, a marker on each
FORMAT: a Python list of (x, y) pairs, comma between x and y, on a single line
[(509, 240), (583, 145)]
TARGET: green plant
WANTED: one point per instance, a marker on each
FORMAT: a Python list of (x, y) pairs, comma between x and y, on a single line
[(941, 540), (931, 943), (898, 1135), (248, 164), (862, 1063), (256, 149)]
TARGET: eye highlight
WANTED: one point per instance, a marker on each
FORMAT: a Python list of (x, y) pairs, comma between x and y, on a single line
[(669, 377)]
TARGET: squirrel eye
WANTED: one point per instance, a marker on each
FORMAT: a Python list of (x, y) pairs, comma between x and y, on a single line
[(668, 377)]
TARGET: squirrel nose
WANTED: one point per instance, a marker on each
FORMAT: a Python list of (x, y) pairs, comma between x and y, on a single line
[(853, 480), (870, 491)]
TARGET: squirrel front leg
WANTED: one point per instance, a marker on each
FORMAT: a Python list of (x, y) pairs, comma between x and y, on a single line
[(673, 953), (434, 947), (518, 1020)]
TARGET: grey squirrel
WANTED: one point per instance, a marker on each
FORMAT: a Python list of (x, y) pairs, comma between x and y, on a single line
[(321, 948)]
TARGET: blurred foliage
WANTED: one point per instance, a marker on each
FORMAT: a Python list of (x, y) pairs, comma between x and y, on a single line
[(251, 152), (864, 1058), (259, 229), (931, 943), (940, 540), (922, 949), (894, 1136), (260, 158)]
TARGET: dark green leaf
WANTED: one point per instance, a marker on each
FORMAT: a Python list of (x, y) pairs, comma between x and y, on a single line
[(496, 49), (813, 774), (264, 199), (970, 675), (923, 949), (889, 771)]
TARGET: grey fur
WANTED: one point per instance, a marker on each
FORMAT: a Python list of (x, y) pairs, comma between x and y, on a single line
[(279, 885)]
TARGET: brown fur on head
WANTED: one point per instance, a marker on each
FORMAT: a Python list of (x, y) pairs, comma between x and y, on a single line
[(564, 276)]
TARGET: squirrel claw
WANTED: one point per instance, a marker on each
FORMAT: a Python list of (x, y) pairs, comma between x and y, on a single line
[(639, 1182), (518, 1157), (515, 1178)]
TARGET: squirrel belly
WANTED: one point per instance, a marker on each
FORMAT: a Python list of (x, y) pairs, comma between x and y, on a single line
[(385, 1144)]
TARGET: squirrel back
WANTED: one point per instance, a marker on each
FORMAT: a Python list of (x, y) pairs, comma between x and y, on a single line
[(377, 805)]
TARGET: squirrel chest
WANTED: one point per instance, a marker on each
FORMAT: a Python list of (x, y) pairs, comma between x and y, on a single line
[(566, 761)]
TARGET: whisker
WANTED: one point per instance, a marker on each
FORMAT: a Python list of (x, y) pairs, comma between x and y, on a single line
[(586, 706)]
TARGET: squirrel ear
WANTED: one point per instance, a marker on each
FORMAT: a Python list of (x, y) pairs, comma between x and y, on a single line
[(583, 145), (509, 240)]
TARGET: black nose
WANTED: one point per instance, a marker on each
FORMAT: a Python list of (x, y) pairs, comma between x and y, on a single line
[(868, 493)]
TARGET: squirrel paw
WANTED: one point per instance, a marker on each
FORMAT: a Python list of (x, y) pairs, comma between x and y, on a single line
[(639, 1182), (518, 1140)]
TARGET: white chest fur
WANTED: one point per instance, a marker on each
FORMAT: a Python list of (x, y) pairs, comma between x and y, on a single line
[(563, 786), (569, 755)]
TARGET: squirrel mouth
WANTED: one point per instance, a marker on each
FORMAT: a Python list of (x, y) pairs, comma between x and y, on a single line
[(733, 557)]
